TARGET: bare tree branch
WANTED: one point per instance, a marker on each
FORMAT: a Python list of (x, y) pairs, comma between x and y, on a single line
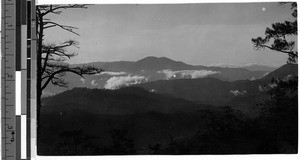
[(275, 49), (65, 27), (82, 70), (54, 8), (59, 82)]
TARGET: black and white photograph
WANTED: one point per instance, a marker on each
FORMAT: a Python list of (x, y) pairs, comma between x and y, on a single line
[(167, 79)]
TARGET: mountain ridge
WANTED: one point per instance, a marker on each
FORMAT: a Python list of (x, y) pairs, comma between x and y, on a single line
[(151, 69), (178, 95), (213, 91), (251, 67), (128, 100), (152, 63)]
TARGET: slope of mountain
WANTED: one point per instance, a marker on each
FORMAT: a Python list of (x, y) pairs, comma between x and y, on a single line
[(148, 63), (129, 100), (160, 63), (282, 72), (203, 90), (260, 68), (212, 91)]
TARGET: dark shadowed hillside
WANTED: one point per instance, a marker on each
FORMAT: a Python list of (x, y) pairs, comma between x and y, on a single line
[(94, 116), (208, 90), (212, 91), (129, 100), (282, 72)]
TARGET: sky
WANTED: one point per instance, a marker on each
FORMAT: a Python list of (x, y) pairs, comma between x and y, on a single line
[(199, 34)]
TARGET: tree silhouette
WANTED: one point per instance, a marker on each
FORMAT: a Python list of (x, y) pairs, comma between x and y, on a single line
[(51, 65), (121, 143), (75, 142), (278, 37), (279, 115)]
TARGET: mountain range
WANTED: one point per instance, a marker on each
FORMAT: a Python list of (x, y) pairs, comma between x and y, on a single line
[(168, 96), (124, 73), (172, 109), (209, 89)]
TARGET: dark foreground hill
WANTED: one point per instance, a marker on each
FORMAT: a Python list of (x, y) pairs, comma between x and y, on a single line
[(94, 116), (129, 100)]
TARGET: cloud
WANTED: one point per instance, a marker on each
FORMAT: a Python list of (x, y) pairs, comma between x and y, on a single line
[(168, 73), (187, 73), (265, 74), (93, 83), (253, 78), (47, 93), (267, 87), (224, 65), (153, 90), (231, 65), (275, 84), (82, 80), (261, 88), (237, 92), (287, 78), (117, 82), (112, 73)]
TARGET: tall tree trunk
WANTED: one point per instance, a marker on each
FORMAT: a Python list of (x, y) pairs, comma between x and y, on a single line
[(39, 74)]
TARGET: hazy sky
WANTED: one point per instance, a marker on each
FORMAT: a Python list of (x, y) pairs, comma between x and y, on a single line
[(193, 33)]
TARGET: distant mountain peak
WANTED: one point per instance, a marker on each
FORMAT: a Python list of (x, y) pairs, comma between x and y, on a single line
[(160, 63), (153, 58)]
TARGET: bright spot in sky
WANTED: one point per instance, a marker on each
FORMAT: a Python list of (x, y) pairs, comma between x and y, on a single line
[(263, 9)]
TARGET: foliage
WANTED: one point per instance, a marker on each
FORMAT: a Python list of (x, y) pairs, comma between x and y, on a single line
[(75, 142), (121, 143), (277, 37), (279, 116)]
